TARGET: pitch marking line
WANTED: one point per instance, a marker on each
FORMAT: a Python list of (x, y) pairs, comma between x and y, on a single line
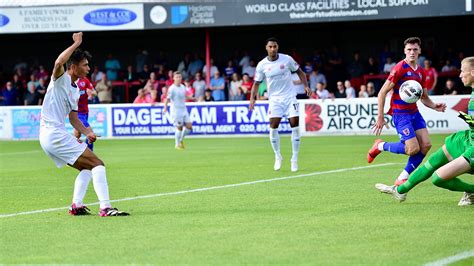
[(452, 259), (208, 188)]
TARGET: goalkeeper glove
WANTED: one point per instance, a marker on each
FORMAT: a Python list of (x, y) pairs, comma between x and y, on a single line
[(467, 118)]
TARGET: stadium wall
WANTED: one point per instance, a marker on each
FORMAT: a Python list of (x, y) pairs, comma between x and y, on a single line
[(317, 117)]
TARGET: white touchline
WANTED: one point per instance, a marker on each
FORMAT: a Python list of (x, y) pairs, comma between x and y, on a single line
[(207, 188), (451, 259)]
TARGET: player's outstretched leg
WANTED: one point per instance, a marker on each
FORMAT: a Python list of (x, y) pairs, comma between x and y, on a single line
[(379, 146), (80, 188), (88, 160)]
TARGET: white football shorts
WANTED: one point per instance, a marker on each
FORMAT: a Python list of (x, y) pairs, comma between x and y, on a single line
[(180, 117), (283, 107), (61, 146)]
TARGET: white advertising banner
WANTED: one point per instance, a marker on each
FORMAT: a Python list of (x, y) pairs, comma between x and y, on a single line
[(357, 116), (5, 123), (71, 18)]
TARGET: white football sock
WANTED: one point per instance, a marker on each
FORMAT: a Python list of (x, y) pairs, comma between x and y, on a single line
[(80, 187), (275, 141), (403, 175), (380, 146), (177, 136), (295, 142), (185, 132), (99, 179)]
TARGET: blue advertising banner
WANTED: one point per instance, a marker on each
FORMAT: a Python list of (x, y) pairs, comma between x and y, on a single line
[(212, 119), (26, 122)]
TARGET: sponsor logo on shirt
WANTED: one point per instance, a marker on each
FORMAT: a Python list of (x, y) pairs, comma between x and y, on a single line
[(282, 66), (110, 17)]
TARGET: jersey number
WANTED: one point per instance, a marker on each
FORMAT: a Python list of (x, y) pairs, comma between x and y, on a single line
[(295, 105)]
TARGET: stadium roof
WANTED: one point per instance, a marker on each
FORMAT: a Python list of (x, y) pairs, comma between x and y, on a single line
[(29, 3)]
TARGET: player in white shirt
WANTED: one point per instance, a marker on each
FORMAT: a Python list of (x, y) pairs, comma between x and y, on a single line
[(179, 113), (61, 100), (277, 68)]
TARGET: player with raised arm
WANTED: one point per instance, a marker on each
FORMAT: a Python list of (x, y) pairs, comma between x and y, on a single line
[(455, 158), (85, 89), (61, 100), (277, 68), (410, 125), (179, 113)]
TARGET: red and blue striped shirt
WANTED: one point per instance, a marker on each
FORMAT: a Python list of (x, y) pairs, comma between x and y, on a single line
[(400, 73)]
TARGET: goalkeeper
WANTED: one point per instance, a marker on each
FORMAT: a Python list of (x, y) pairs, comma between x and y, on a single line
[(455, 158)]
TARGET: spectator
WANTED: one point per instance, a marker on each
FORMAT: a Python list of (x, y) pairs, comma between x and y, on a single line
[(262, 91), (230, 69), (321, 91), (145, 74), (161, 73), (363, 91), (308, 68), (31, 96), (213, 69), (208, 96), (42, 73), (340, 91), (112, 66), (316, 78), (96, 75), (104, 90), (350, 91), (250, 69), (388, 65), (154, 83), (217, 87), (190, 91), (142, 97), (32, 81), (385, 54), (130, 75), (169, 80), (356, 68), (298, 87), (246, 85), (41, 90), (183, 65), (141, 59), (431, 77), (164, 94), (244, 61), (195, 66), (235, 87), (450, 88), (10, 94), (371, 89), (199, 86), (448, 67), (371, 67)]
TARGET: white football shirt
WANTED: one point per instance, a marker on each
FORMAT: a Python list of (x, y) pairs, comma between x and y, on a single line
[(177, 95), (278, 76), (61, 98)]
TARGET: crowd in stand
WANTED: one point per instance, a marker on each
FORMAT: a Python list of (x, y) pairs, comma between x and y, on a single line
[(149, 77)]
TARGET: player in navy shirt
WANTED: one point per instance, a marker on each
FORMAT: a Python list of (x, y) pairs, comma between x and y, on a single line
[(410, 125)]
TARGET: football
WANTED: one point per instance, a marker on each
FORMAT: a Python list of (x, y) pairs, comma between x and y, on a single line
[(410, 91)]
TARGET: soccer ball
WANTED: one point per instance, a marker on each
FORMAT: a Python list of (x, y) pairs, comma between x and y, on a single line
[(410, 91)]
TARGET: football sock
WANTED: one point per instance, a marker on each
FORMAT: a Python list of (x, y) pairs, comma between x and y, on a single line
[(403, 175), (185, 132), (454, 184), (80, 187), (177, 136), (99, 179), (295, 142), (414, 161), (435, 161), (90, 145), (394, 147), (275, 141)]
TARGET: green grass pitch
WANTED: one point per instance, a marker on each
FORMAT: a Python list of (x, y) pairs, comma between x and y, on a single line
[(323, 219)]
